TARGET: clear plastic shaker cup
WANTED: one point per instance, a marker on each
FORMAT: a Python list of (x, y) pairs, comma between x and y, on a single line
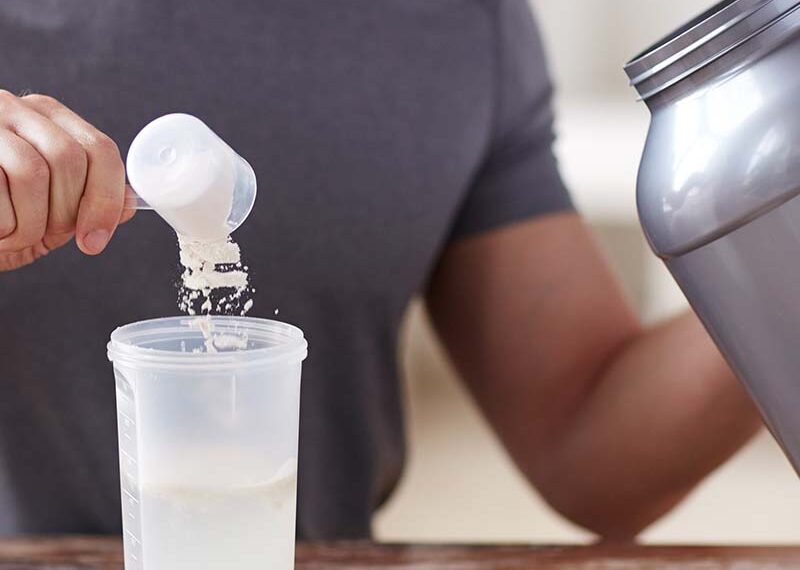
[(208, 443), (184, 171)]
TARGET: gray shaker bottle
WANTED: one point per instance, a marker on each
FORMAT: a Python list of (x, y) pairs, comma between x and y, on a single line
[(718, 188)]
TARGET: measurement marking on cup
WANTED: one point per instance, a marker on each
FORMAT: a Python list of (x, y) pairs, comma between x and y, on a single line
[(130, 496)]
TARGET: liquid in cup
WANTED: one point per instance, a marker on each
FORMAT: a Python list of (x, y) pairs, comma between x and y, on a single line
[(208, 443)]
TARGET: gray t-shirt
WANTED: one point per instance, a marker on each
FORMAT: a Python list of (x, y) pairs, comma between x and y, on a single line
[(380, 131)]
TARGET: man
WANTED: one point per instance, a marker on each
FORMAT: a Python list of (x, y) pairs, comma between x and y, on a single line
[(402, 147)]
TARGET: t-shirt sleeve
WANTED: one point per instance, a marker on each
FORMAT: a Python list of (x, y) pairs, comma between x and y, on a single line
[(519, 177)]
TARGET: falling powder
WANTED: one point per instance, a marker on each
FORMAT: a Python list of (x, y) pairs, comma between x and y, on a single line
[(213, 276), (206, 328), (230, 342), (216, 341)]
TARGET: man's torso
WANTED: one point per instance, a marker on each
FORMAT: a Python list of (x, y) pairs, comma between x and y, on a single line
[(365, 121)]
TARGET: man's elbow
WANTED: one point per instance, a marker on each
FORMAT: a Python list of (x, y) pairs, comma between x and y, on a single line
[(611, 511)]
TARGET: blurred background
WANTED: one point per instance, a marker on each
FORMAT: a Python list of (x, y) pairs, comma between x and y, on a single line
[(459, 485)]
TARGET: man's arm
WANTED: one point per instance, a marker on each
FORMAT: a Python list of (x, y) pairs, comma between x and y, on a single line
[(613, 423)]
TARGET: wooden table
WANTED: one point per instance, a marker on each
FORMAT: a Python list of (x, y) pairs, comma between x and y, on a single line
[(104, 553)]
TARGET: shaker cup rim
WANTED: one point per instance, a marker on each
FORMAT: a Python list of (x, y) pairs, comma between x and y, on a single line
[(268, 340)]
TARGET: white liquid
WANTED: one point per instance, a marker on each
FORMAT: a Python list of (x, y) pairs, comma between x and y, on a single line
[(244, 528)]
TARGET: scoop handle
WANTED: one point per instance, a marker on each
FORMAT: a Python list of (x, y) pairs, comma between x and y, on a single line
[(134, 202)]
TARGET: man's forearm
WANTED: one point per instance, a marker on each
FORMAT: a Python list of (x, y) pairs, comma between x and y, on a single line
[(613, 423), (667, 412)]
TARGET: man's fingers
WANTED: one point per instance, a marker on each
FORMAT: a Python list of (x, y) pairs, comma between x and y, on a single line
[(59, 176), (129, 211), (65, 157), (28, 180), (8, 219), (100, 207)]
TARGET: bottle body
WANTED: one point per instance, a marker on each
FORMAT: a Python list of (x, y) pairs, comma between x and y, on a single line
[(719, 200), (745, 287)]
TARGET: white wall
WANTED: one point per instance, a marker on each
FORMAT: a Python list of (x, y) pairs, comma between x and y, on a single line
[(590, 40)]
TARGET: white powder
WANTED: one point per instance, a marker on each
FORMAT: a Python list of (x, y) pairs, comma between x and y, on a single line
[(230, 342), (206, 327), (213, 276), (217, 342)]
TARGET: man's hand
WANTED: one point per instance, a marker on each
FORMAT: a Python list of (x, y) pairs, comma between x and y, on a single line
[(612, 422), (59, 177)]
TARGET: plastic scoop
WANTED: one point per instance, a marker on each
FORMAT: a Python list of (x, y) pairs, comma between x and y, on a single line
[(181, 169)]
